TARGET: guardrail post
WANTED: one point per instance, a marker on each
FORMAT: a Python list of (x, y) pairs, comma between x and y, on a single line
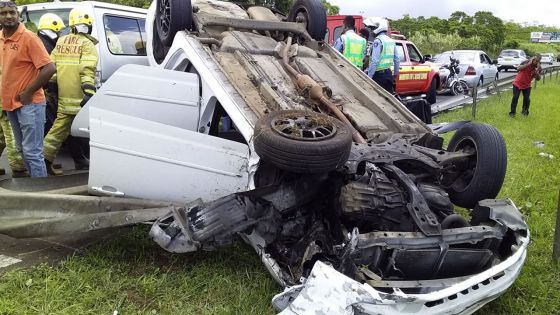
[(556, 246), (536, 84), (474, 97), (497, 89)]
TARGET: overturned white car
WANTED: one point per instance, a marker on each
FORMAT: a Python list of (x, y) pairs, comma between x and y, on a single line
[(250, 125)]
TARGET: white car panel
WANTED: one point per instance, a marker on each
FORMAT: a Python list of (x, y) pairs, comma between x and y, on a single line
[(158, 153)]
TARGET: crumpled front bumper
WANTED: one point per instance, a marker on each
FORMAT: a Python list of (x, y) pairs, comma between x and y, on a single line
[(326, 291)]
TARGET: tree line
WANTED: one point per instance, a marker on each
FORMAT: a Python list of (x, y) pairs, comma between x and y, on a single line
[(482, 31)]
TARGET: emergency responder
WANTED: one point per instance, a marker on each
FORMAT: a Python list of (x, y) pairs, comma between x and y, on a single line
[(383, 56), (364, 32), (49, 28), (76, 59), (350, 44)]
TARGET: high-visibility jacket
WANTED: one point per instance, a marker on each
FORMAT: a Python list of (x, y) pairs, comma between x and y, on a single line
[(386, 59), (76, 59), (354, 48)]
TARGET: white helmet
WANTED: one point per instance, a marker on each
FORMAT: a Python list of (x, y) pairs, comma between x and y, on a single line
[(377, 25)]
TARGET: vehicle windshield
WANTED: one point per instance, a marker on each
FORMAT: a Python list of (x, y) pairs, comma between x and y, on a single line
[(463, 57), (31, 18), (509, 53)]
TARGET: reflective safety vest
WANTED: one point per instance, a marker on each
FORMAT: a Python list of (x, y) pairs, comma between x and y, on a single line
[(387, 57), (75, 58), (354, 48)]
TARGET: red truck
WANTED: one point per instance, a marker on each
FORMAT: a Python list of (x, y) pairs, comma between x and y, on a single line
[(416, 75)]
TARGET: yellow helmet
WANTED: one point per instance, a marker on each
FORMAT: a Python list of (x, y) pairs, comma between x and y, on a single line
[(78, 16), (51, 21)]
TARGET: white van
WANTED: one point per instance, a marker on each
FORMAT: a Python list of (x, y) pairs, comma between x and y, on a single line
[(127, 23)]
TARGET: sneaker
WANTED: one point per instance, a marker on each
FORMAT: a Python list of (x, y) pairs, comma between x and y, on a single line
[(512, 115), (525, 113), (51, 170), (20, 173)]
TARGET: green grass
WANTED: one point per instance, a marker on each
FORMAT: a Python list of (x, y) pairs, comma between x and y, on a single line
[(533, 183), (131, 274)]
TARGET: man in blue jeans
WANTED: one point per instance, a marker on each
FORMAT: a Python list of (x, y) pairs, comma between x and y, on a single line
[(26, 67)]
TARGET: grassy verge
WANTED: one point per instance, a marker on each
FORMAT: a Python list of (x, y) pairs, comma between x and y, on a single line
[(132, 275), (533, 183)]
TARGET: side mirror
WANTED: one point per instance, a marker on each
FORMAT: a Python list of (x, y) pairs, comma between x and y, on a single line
[(495, 61), (428, 58)]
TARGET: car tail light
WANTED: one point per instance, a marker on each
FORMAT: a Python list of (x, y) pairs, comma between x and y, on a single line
[(470, 71)]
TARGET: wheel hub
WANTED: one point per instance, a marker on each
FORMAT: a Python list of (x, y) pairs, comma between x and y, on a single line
[(306, 128)]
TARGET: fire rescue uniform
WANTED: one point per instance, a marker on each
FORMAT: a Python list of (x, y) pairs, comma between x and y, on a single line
[(383, 57), (353, 47), (49, 28), (76, 59), (7, 142)]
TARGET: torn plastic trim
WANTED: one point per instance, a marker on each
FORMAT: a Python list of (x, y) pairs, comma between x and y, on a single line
[(417, 240)]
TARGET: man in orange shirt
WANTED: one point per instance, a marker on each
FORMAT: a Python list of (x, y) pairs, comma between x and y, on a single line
[(26, 68)]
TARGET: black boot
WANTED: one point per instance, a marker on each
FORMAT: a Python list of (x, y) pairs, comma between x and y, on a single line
[(81, 164), (51, 170), (20, 173)]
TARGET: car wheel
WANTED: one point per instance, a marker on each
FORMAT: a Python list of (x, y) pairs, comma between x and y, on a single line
[(460, 87), (301, 141), (313, 14), (432, 93), (172, 16), (482, 177), (158, 49)]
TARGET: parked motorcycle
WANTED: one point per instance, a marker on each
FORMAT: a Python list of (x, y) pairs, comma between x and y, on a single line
[(451, 80)]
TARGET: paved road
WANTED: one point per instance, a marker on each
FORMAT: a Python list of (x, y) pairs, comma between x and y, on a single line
[(15, 253)]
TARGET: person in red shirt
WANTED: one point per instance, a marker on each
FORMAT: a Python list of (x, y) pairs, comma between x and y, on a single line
[(527, 71)]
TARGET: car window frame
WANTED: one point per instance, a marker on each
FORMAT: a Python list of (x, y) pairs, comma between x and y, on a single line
[(414, 50), (140, 33)]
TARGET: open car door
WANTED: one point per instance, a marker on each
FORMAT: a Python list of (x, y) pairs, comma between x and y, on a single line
[(144, 141)]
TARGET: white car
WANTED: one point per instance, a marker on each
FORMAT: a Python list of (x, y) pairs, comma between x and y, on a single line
[(510, 59), (121, 23), (475, 67), (547, 58), (347, 198)]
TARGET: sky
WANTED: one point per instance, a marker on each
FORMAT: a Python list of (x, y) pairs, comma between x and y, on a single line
[(545, 12)]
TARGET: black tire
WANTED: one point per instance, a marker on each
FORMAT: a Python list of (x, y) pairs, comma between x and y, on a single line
[(432, 93), (172, 16), (314, 14), (485, 174), (460, 87), (300, 141), (158, 49)]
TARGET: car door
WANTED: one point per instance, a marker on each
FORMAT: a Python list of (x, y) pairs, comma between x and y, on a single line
[(485, 67), (414, 74), (145, 143), (492, 69)]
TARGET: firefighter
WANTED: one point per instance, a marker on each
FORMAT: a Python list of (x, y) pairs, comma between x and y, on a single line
[(76, 59), (350, 44), (383, 56), (49, 29)]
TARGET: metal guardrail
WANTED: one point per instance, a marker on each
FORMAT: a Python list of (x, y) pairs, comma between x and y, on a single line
[(496, 87)]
